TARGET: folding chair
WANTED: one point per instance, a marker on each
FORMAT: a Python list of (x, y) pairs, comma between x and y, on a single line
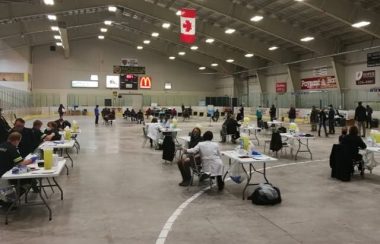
[(196, 170)]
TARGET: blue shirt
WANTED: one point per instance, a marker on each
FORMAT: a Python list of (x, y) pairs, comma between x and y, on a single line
[(96, 111)]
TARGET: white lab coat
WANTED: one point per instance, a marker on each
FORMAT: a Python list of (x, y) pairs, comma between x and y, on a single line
[(210, 156), (153, 132)]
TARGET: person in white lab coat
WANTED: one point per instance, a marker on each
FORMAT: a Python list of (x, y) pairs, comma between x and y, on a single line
[(152, 132), (210, 156)]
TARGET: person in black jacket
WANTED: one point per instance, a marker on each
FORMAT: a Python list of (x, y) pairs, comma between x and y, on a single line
[(61, 124), (4, 128), (292, 114), (185, 163), (369, 116), (26, 144), (361, 117), (322, 122), (230, 127), (314, 119), (52, 131), (354, 142), (272, 113), (61, 110), (331, 119)]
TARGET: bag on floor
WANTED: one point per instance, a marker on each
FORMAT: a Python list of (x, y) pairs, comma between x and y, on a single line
[(237, 174), (7, 194), (266, 194)]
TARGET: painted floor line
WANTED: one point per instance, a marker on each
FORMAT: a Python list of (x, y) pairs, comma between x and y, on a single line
[(170, 222)]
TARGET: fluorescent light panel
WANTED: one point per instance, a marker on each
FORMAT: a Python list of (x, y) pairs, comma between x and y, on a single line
[(307, 39), (59, 44), (230, 60), (194, 48), (249, 55), (361, 24), (54, 28), (104, 30), (112, 8), (171, 57), (229, 31), (273, 48), (140, 47), (52, 17), (101, 37), (210, 40), (166, 25), (146, 42), (214, 64), (202, 68), (108, 22), (181, 53), (155, 34), (257, 18), (49, 2), (57, 37)]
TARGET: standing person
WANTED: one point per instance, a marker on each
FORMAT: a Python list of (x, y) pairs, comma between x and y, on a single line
[(241, 111), (259, 115), (210, 157), (292, 114), (61, 110), (272, 113), (322, 122), (314, 119), (331, 117), (183, 108), (361, 117), (369, 116), (4, 127), (96, 111)]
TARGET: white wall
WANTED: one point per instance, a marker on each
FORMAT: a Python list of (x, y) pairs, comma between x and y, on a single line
[(52, 72), (224, 87), (15, 61)]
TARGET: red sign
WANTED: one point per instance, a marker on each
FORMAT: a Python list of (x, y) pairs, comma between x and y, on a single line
[(188, 25), (145, 82), (317, 83), (281, 87)]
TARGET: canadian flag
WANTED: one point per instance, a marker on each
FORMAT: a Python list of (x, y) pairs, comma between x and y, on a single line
[(188, 25)]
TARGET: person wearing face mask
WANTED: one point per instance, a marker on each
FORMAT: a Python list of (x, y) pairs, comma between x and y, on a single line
[(185, 163), (52, 131), (38, 135), (26, 144), (4, 128)]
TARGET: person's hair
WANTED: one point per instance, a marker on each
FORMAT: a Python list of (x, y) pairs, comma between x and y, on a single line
[(97, 106), (20, 120), (344, 131), (354, 131), (52, 124), (207, 136), (360, 103), (37, 123), (154, 120), (14, 136), (197, 128)]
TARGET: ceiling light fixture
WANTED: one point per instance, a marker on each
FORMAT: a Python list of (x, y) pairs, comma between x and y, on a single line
[(210, 40), (257, 18), (230, 60), (49, 2), (54, 28), (112, 8), (59, 44), (166, 25), (57, 37), (307, 39), (299, 0), (146, 42), (171, 57), (52, 17), (202, 68), (229, 31), (155, 34), (101, 37), (108, 22), (194, 48), (249, 55), (181, 53), (140, 47), (104, 30), (273, 48), (214, 64), (178, 13), (361, 24)]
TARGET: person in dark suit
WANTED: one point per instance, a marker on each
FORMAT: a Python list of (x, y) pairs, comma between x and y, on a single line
[(322, 122), (331, 117), (361, 117), (354, 142), (272, 113)]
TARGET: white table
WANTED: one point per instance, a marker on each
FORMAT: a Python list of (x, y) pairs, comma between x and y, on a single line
[(38, 174), (62, 146), (303, 141), (235, 158), (74, 136), (275, 123), (251, 129)]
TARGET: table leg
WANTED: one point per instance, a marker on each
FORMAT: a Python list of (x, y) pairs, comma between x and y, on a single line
[(249, 176), (307, 146), (225, 174), (265, 172), (51, 187), (59, 187), (299, 147), (15, 202), (257, 139), (69, 157), (44, 201)]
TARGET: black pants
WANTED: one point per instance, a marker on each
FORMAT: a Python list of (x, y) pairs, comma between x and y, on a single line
[(324, 127), (369, 119), (331, 126), (97, 119)]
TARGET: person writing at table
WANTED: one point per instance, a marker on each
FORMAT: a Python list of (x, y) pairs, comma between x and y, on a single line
[(25, 146), (210, 157), (52, 131), (10, 157), (185, 163)]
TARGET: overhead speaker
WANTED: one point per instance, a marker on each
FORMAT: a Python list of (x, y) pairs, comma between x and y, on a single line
[(52, 48)]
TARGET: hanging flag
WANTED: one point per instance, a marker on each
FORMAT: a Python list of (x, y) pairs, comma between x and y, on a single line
[(188, 25)]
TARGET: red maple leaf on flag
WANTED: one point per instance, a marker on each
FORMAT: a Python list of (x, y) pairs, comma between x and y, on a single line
[(187, 25)]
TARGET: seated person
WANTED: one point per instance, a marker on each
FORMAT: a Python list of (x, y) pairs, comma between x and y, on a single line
[(133, 115), (185, 163), (10, 157), (38, 135), (210, 157), (25, 146), (148, 112), (152, 131), (140, 116), (105, 114), (52, 132), (61, 124), (230, 127), (354, 143), (112, 115), (344, 133), (216, 115), (126, 113)]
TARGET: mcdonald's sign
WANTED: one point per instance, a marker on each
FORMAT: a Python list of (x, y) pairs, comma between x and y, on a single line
[(145, 82)]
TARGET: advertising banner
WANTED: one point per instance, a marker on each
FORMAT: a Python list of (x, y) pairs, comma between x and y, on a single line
[(281, 87), (367, 77), (122, 70), (145, 82), (373, 59), (318, 83)]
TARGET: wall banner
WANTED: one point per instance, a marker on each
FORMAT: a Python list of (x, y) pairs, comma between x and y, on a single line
[(317, 83), (367, 77)]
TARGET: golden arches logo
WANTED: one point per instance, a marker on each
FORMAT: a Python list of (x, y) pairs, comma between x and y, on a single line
[(145, 82)]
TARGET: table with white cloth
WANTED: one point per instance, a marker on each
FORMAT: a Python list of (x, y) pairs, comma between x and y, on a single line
[(251, 161), (369, 157), (251, 130), (63, 147), (276, 123), (303, 143), (37, 173)]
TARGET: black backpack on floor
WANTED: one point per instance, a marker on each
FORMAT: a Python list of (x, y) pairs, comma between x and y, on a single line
[(266, 194)]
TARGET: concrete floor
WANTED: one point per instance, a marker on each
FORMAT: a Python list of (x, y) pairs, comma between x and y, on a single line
[(119, 192)]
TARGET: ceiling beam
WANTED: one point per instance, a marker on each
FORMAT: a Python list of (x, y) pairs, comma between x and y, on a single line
[(268, 25), (347, 12)]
